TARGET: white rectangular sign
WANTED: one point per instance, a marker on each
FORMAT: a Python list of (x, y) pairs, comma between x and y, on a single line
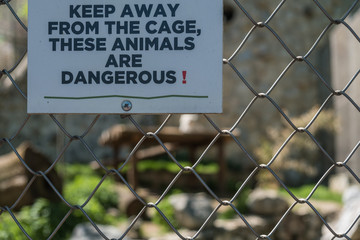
[(125, 56)]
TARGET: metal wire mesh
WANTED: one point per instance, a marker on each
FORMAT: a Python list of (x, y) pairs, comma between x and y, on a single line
[(267, 167)]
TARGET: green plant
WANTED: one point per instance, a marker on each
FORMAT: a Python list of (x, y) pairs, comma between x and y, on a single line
[(239, 203), (70, 171), (42, 218), (38, 220), (170, 166), (23, 11), (168, 210), (321, 193), (80, 182), (78, 191), (9, 229)]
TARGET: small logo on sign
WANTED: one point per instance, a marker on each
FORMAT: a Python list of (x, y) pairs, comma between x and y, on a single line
[(126, 105)]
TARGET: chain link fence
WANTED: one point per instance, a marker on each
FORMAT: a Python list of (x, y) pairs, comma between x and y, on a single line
[(240, 144)]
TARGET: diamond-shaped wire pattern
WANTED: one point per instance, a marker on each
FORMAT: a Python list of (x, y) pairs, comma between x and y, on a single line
[(229, 61)]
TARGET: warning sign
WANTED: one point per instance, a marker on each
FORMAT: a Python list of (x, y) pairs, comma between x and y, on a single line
[(131, 56)]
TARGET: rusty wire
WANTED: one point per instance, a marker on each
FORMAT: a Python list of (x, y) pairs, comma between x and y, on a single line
[(265, 26)]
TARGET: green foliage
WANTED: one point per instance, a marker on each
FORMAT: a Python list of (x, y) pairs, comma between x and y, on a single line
[(170, 166), (23, 11), (168, 211), (42, 218), (70, 171), (38, 220), (322, 193), (239, 203), (78, 191), (9, 229), (81, 182)]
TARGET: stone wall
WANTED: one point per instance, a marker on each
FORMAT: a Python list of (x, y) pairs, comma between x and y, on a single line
[(261, 61)]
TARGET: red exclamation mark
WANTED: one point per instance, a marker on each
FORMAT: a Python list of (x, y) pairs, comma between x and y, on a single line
[(184, 77)]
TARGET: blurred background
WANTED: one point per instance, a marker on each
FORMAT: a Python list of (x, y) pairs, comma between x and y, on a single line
[(261, 58)]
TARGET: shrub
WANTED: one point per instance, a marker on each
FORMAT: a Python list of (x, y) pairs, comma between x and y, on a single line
[(42, 218), (38, 220), (239, 203), (168, 210), (322, 193)]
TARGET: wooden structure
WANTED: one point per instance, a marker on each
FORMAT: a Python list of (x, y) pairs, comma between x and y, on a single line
[(122, 136)]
